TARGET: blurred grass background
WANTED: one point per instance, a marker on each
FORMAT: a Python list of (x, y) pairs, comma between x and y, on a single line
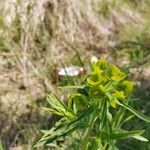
[(38, 37)]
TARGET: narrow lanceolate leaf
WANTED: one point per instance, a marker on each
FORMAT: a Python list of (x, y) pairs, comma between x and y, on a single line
[(55, 102), (127, 119), (61, 132), (138, 137), (63, 128), (122, 135), (104, 113), (72, 88), (59, 107), (57, 125), (52, 111), (39, 143), (135, 112), (141, 138)]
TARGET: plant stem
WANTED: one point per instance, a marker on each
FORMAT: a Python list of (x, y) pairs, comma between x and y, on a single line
[(105, 145), (86, 135)]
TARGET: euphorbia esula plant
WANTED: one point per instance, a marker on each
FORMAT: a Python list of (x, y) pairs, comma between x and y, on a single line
[(95, 111)]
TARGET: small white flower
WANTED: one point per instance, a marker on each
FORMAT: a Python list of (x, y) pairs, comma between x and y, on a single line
[(94, 59)]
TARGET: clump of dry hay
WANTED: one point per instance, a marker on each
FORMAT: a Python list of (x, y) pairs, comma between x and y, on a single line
[(41, 33), (52, 23), (76, 22)]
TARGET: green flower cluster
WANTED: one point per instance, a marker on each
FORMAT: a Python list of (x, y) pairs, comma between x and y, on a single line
[(108, 81)]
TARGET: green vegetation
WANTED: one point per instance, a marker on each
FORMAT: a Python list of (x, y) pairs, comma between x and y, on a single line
[(38, 38), (95, 114)]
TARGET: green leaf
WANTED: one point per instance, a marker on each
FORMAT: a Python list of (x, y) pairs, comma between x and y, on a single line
[(79, 101), (113, 147), (95, 77), (121, 135), (93, 145), (97, 92), (135, 112), (64, 127), (104, 113), (55, 102), (59, 106), (101, 147), (84, 114), (64, 131), (112, 100), (141, 138), (115, 73), (39, 143), (127, 87), (118, 118), (93, 80), (127, 119), (138, 137), (114, 69), (52, 111), (72, 88), (119, 95), (61, 122), (102, 64)]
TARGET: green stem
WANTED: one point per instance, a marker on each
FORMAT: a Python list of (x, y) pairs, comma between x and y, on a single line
[(88, 130), (105, 145)]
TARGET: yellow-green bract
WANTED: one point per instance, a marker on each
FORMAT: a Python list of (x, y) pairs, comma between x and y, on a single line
[(108, 80)]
